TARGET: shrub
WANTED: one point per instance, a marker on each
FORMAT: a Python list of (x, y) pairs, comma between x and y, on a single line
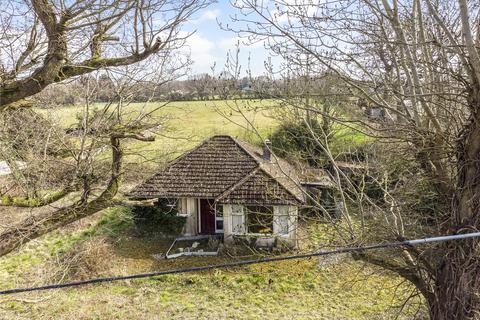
[(160, 218), (296, 138)]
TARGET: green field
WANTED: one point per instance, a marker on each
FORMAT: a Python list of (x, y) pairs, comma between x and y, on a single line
[(185, 124), (108, 243)]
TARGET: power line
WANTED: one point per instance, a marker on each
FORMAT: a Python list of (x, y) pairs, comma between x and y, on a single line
[(244, 263)]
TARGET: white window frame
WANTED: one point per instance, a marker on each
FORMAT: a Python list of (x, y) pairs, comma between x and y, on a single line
[(219, 219), (199, 215), (238, 213), (279, 227)]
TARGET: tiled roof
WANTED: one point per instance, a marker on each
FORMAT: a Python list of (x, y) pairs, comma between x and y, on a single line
[(256, 189), (221, 165)]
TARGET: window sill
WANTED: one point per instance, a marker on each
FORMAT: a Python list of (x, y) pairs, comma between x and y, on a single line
[(246, 234)]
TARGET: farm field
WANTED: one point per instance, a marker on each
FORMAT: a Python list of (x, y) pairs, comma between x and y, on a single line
[(187, 123), (109, 243)]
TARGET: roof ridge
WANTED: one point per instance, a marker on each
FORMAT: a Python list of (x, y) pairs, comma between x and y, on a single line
[(197, 147), (261, 164), (238, 183), (241, 180), (171, 163), (280, 183), (246, 164), (240, 144), (248, 176), (260, 167)]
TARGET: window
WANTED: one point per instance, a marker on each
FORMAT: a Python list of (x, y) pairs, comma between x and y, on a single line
[(219, 218), (259, 219), (282, 219), (219, 226), (182, 207), (238, 219)]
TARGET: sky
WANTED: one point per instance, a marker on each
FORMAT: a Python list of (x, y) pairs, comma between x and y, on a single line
[(210, 44)]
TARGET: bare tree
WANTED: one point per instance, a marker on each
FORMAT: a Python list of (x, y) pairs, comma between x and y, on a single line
[(200, 85), (48, 41), (419, 62), (76, 164)]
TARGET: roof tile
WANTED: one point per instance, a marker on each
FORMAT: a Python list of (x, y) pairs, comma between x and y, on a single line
[(215, 168)]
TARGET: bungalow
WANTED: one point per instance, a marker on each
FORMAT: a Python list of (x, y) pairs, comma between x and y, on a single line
[(228, 187)]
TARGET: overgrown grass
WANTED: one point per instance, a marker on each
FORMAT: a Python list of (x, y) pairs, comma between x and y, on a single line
[(250, 293), (290, 289), (301, 289), (18, 267)]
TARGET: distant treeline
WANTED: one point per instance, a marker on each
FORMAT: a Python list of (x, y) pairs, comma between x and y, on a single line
[(198, 87)]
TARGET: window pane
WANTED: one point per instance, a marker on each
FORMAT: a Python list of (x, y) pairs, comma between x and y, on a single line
[(259, 219), (219, 211), (237, 224), (182, 207), (219, 225), (236, 209), (282, 224), (283, 210)]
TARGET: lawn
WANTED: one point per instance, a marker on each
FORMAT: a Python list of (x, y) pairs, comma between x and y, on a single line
[(109, 243), (186, 123)]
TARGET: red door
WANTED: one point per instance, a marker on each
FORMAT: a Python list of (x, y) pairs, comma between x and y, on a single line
[(207, 216)]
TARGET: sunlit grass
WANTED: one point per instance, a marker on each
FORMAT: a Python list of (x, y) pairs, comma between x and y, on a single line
[(283, 290), (186, 123)]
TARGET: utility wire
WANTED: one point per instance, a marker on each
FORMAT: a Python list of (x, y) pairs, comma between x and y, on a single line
[(244, 263)]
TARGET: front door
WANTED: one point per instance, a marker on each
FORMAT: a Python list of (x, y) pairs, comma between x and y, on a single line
[(207, 216)]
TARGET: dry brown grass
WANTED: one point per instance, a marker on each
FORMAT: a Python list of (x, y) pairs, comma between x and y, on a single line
[(84, 260)]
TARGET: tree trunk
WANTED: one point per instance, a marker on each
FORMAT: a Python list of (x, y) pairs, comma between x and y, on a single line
[(457, 280), (457, 283)]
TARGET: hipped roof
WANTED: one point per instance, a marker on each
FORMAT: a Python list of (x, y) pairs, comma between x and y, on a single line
[(228, 170)]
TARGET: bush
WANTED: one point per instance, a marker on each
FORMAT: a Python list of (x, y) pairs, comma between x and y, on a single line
[(84, 260), (296, 138), (160, 218)]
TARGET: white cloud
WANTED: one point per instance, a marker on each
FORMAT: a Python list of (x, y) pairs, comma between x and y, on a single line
[(199, 43), (201, 52), (208, 15)]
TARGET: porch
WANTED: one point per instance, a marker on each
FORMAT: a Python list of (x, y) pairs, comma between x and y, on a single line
[(207, 217), (203, 216)]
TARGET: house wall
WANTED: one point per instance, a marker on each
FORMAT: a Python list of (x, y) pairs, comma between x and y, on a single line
[(293, 226), (188, 207), (227, 223), (290, 237)]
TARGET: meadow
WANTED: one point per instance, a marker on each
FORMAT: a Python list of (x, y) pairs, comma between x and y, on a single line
[(184, 124), (109, 243)]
